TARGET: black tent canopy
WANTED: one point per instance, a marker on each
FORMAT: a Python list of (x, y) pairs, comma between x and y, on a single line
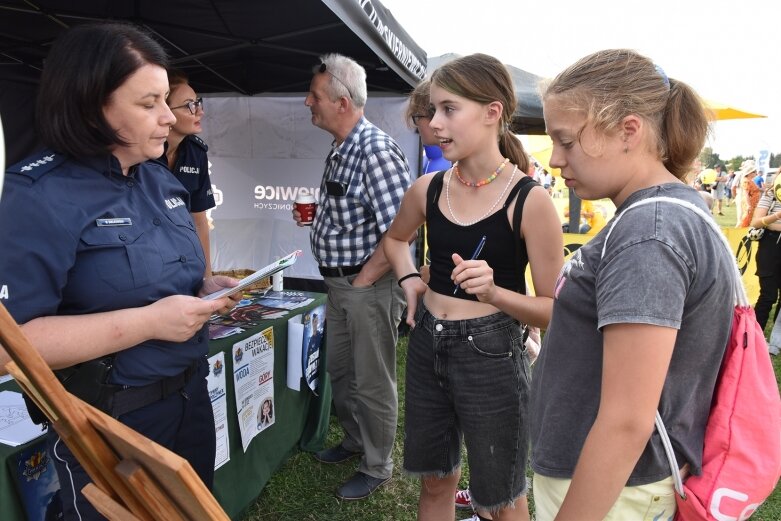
[(228, 46), (241, 46)]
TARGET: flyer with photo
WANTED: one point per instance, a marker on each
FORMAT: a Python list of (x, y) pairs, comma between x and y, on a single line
[(253, 381)]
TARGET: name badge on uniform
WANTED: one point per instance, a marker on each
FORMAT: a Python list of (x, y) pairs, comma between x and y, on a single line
[(114, 221)]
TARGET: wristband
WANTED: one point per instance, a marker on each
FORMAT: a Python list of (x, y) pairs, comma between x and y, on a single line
[(409, 275)]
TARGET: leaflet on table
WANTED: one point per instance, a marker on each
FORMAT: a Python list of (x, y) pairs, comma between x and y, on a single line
[(16, 427), (281, 264), (253, 383), (215, 383)]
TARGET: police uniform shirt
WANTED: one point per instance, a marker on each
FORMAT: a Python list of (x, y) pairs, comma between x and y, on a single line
[(80, 237), (192, 170)]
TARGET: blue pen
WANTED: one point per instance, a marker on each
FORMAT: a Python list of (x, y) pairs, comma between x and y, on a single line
[(474, 256)]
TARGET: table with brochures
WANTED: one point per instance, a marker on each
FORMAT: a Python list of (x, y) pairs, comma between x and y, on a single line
[(301, 423)]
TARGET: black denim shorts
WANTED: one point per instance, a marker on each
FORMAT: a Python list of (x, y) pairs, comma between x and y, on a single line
[(468, 379)]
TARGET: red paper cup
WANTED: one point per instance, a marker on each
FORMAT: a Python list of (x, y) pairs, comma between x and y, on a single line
[(306, 206)]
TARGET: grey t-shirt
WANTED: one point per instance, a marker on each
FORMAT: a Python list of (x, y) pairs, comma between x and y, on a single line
[(662, 266)]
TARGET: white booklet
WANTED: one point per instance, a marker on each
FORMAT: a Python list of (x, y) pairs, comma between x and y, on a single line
[(16, 427), (272, 268)]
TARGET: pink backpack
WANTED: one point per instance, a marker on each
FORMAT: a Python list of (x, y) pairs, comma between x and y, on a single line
[(741, 460)]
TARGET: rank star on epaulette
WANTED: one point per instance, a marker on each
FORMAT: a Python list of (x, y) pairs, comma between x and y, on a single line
[(42, 161)]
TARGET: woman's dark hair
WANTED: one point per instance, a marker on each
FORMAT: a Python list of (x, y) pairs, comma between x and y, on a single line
[(83, 69)]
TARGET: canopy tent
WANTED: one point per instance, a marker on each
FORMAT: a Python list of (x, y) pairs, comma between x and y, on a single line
[(231, 46), (527, 118)]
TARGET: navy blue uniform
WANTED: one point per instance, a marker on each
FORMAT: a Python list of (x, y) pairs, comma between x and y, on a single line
[(79, 238), (192, 170)]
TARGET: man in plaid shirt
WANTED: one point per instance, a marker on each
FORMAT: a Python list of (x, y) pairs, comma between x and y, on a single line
[(366, 175)]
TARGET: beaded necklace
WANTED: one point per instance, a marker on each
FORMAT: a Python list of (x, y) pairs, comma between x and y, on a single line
[(486, 214), (484, 181)]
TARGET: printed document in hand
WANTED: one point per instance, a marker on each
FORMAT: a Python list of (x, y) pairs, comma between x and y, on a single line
[(272, 268)]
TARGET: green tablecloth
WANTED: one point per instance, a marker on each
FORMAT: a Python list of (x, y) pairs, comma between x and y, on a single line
[(301, 422)]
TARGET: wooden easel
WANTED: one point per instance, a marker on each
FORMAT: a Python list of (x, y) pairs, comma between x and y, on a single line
[(134, 478)]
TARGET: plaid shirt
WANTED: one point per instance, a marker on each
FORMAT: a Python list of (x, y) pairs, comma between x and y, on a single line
[(364, 181)]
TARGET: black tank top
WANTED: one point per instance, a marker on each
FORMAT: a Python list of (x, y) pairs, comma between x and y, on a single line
[(446, 237)]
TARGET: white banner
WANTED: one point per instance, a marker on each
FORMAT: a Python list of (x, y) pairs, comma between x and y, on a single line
[(264, 151)]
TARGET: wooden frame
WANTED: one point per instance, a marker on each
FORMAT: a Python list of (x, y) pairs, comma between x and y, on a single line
[(134, 477)]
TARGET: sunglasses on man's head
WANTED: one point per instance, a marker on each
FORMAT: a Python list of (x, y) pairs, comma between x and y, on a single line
[(192, 106), (323, 68)]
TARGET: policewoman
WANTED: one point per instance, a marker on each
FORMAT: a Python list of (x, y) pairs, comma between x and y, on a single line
[(185, 155), (100, 258)]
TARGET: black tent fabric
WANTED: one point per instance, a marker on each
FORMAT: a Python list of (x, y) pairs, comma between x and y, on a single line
[(528, 115), (231, 46)]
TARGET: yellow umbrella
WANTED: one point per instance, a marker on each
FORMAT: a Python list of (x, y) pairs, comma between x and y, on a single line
[(721, 111)]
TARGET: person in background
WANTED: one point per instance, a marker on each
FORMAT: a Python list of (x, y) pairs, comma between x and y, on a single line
[(750, 194), (419, 114), (729, 192), (185, 155), (467, 370), (645, 341), (767, 215), (366, 175), (100, 257), (759, 180), (718, 189)]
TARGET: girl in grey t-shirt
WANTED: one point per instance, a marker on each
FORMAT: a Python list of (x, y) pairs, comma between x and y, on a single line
[(643, 327)]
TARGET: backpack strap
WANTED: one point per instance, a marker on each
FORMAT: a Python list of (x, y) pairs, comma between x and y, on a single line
[(740, 297)]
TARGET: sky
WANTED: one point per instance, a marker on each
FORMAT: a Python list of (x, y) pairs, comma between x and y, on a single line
[(728, 51)]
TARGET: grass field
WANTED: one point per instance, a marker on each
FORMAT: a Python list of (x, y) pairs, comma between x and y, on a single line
[(302, 490)]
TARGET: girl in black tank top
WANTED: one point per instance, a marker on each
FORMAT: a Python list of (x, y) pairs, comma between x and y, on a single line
[(485, 219)]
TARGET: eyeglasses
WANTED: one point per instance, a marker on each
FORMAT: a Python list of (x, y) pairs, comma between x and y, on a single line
[(428, 115), (192, 106), (324, 69)]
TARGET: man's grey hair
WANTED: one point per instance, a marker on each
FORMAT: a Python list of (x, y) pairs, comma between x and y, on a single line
[(346, 78)]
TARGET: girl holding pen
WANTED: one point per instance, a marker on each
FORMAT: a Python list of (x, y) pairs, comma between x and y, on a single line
[(467, 371)]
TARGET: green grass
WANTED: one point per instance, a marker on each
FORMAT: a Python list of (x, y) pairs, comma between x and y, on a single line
[(302, 490)]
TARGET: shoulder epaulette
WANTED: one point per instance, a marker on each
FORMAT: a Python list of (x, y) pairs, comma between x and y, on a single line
[(39, 165), (200, 142)]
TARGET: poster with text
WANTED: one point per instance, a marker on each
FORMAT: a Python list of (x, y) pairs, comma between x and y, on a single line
[(215, 382), (253, 379)]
